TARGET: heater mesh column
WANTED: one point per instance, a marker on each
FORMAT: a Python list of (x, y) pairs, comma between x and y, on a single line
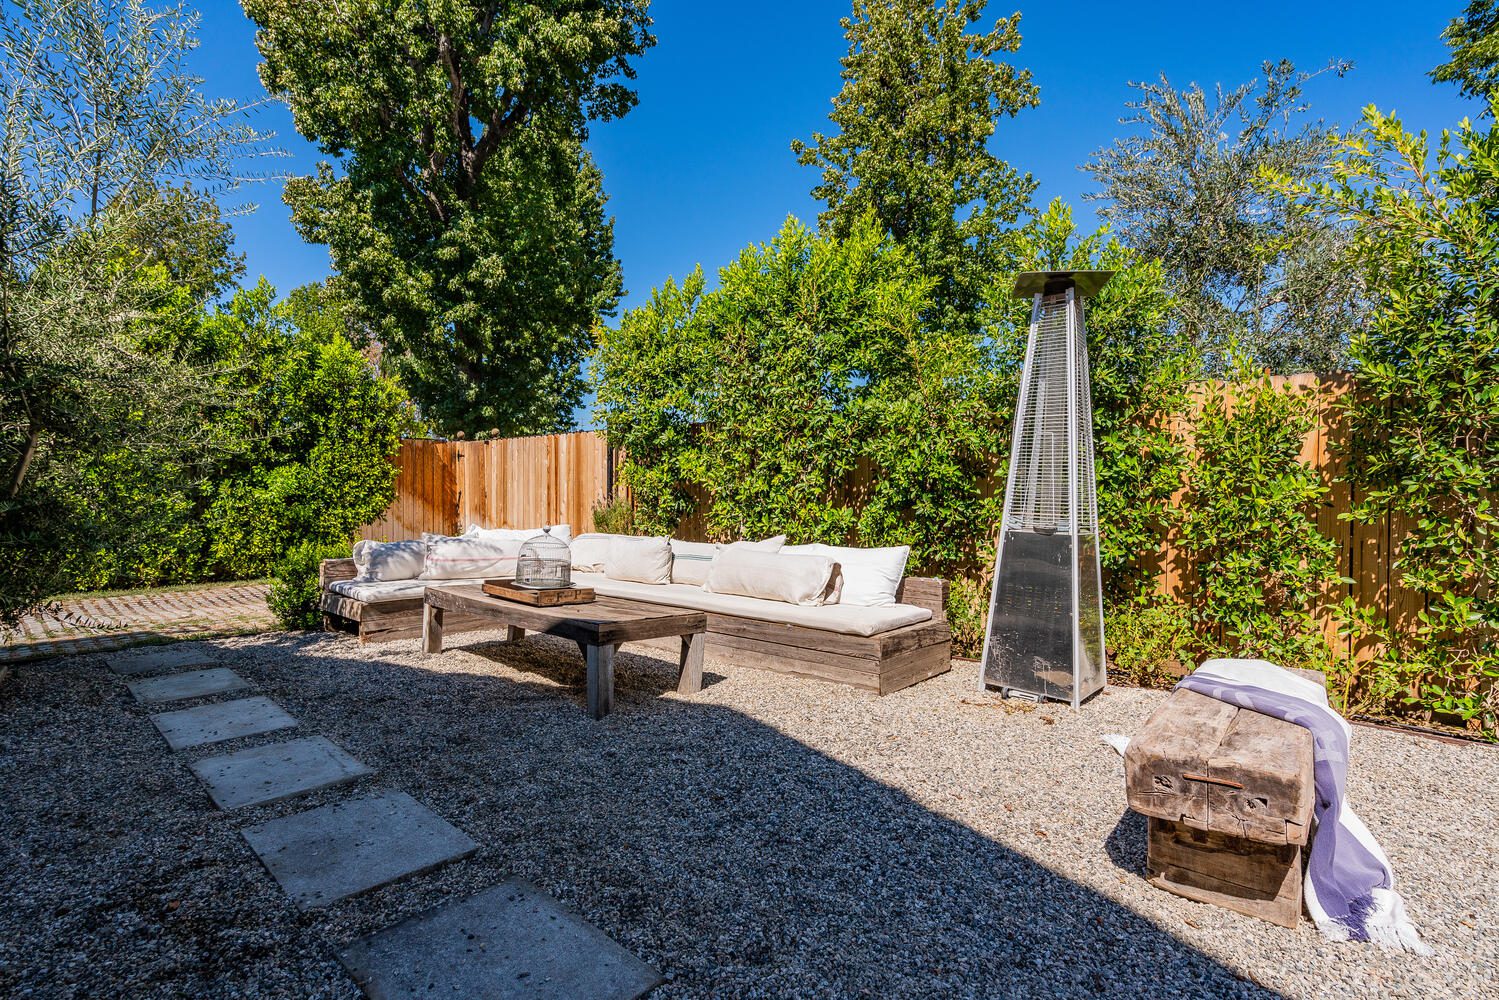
[(1045, 636)]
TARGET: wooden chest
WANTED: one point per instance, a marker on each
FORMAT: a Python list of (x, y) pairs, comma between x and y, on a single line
[(1228, 793)]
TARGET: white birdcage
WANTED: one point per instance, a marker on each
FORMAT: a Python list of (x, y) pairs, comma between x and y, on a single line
[(1045, 634), (545, 563)]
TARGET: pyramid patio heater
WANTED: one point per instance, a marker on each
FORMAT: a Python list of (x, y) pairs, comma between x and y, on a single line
[(1045, 636)]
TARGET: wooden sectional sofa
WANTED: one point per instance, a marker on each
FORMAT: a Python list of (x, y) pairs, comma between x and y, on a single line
[(883, 662)]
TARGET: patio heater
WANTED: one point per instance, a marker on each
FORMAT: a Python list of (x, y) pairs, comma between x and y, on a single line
[(1045, 635)]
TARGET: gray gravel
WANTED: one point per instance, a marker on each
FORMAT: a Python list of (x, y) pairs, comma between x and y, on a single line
[(767, 837)]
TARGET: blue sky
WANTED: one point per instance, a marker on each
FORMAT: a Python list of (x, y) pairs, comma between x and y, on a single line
[(703, 167)]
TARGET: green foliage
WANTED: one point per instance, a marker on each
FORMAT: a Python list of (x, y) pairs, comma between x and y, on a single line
[(759, 399), (967, 614), (294, 591), (317, 423), (920, 101), (1151, 639), (1244, 267), (649, 376), (98, 115), (1249, 525), (1424, 424), (463, 215), (615, 517), (294, 447), (1474, 41)]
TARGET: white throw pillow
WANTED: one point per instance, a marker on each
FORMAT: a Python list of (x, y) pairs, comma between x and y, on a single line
[(771, 576), (690, 561), (870, 576), (383, 561), (590, 550), (563, 532), (469, 558), (639, 560), (771, 544)]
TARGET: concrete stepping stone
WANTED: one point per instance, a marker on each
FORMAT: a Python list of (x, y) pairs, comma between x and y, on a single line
[(510, 941), (259, 775), (227, 720), (157, 660), (193, 684), (330, 853)]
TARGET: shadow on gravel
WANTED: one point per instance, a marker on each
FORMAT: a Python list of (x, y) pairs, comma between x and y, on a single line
[(728, 854), (1126, 843), (736, 860)]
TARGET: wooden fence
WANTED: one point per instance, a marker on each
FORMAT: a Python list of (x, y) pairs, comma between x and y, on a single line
[(523, 482), (445, 486)]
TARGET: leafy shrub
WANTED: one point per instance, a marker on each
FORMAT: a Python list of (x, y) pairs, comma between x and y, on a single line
[(1249, 524), (967, 612), (1150, 639), (759, 400), (614, 517), (1424, 420), (294, 594)]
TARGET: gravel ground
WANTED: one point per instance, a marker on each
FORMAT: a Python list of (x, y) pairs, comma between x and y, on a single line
[(767, 837)]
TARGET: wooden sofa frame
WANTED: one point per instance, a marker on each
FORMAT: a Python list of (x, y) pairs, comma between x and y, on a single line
[(881, 663)]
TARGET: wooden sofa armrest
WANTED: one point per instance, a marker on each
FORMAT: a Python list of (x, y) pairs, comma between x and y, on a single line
[(928, 592), (333, 570)]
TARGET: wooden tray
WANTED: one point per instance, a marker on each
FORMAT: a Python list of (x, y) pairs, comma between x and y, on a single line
[(538, 598)]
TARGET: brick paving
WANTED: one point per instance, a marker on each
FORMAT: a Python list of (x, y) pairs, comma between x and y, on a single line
[(95, 624)]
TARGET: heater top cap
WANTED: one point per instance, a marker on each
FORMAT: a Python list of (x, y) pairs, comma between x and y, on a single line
[(1029, 283)]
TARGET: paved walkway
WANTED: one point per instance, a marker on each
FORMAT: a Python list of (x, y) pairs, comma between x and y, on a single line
[(511, 941), (95, 624)]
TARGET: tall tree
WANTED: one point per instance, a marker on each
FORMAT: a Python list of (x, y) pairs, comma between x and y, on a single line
[(1185, 187), (1474, 41), (97, 109), (463, 212), (920, 101)]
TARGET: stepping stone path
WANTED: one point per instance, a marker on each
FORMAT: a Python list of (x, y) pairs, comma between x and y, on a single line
[(509, 941), (157, 660), (330, 853), (226, 720), (261, 775), (194, 684)]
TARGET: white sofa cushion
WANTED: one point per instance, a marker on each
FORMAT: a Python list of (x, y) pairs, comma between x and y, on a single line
[(389, 560), (870, 576), (468, 557), (639, 560), (559, 531), (590, 549), (393, 590), (845, 619), (772, 576), (690, 561)]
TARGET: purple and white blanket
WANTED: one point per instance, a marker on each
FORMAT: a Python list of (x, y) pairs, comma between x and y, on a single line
[(1350, 886)]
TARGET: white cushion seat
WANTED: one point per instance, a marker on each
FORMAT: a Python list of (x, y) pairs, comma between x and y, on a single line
[(379, 592), (844, 618)]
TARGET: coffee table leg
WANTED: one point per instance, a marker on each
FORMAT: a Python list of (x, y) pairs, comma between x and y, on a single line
[(690, 680), (600, 680), (431, 629), (514, 633)]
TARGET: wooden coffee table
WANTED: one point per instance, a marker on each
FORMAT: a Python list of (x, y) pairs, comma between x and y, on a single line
[(599, 628)]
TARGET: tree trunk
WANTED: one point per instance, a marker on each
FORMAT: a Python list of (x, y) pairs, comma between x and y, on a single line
[(33, 438)]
